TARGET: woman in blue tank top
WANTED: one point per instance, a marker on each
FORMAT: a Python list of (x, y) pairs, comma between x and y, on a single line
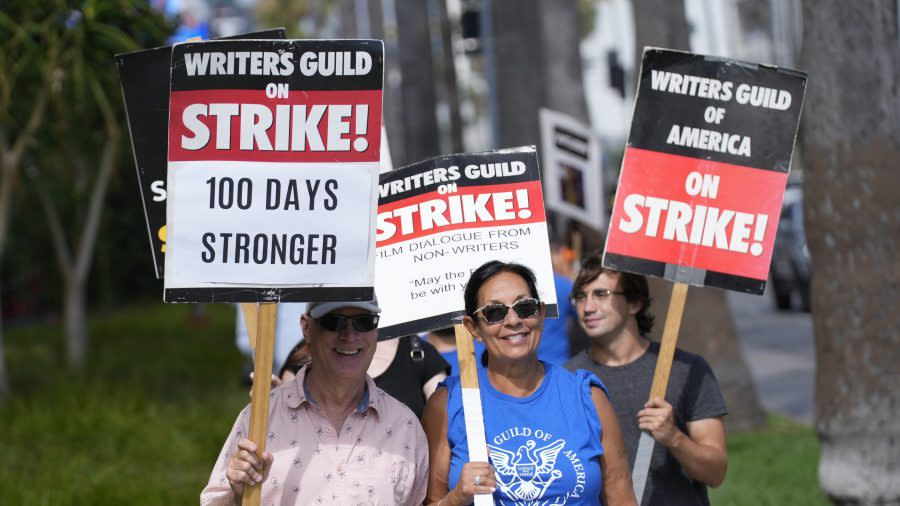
[(552, 435)]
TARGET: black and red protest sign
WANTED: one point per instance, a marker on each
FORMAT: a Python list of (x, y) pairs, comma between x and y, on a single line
[(439, 219), (273, 157), (705, 170), (144, 76)]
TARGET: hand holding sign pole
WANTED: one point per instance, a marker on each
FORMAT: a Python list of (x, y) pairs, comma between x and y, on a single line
[(262, 385), (702, 180)]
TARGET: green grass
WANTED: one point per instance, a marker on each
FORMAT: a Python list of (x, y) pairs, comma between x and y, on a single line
[(773, 467), (145, 423)]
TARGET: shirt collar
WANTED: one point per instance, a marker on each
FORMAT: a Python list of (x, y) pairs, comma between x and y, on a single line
[(297, 393)]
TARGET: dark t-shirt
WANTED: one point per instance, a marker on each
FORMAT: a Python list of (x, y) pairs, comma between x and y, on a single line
[(408, 373), (694, 395)]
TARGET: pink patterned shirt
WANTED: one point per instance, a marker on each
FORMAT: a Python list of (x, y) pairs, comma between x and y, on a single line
[(380, 456)]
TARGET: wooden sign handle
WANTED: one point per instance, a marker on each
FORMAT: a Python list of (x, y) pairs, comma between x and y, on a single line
[(249, 309), (262, 386), (669, 340), (471, 397)]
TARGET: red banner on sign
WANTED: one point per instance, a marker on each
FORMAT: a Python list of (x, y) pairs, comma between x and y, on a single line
[(696, 213), (470, 207), (301, 126)]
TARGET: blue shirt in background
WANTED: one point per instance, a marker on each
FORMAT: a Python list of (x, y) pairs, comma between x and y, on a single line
[(554, 346)]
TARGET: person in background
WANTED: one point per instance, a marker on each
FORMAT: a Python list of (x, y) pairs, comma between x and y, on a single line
[(444, 340), (287, 336), (409, 369), (552, 435), (334, 437), (556, 339), (614, 310)]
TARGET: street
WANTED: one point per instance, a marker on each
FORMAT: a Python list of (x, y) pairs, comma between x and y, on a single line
[(780, 351)]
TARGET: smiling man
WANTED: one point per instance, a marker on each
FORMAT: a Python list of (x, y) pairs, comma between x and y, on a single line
[(614, 311), (334, 437)]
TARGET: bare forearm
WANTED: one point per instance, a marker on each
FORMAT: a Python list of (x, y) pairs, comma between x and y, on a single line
[(703, 463), (617, 488), (450, 499)]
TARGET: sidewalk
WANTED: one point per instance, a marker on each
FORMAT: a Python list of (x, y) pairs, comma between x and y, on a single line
[(780, 351)]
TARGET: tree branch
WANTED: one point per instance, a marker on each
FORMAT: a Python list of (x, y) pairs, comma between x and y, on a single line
[(57, 233), (35, 118), (95, 209)]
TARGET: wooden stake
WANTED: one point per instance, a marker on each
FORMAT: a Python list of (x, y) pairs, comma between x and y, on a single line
[(660, 384), (250, 310), (669, 339), (471, 397), (262, 386)]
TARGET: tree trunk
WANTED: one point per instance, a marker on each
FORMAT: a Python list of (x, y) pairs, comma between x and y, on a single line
[(660, 23), (4, 374), (8, 176), (420, 131), (449, 78), (75, 325), (10, 160), (519, 71), (851, 144), (562, 58), (347, 19), (707, 327), (75, 267)]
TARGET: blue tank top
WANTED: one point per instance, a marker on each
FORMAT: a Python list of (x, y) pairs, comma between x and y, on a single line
[(545, 448)]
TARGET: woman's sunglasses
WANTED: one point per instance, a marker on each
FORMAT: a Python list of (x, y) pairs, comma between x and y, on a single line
[(496, 313), (338, 322)]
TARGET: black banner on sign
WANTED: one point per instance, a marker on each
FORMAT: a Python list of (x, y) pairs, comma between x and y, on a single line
[(224, 65), (460, 170), (704, 171), (144, 76), (717, 109)]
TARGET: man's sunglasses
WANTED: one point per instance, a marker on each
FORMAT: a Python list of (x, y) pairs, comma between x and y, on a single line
[(496, 313), (338, 322)]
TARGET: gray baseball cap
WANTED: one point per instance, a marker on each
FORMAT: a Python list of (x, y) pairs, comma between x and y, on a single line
[(320, 309)]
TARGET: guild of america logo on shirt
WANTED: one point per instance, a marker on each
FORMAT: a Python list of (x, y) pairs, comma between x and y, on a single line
[(528, 462)]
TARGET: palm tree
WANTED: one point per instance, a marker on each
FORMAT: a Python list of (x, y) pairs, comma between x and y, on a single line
[(851, 51), (420, 130)]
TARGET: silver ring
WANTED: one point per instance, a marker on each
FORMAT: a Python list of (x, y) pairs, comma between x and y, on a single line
[(477, 479)]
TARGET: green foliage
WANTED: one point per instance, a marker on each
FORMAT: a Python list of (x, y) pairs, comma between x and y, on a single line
[(774, 467), (68, 46), (142, 426)]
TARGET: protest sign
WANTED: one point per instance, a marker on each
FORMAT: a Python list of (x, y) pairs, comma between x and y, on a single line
[(438, 220), (572, 169), (704, 171), (272, 170), (700, 189), (144, 76)]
